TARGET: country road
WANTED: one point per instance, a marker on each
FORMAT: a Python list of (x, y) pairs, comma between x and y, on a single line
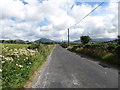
[(65, 69)]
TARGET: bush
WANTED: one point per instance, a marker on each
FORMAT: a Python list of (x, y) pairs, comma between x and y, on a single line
[(117, 51), (111, 49), (34, 46), (87, 46), (64, 45), (74, 48), (108, 52)]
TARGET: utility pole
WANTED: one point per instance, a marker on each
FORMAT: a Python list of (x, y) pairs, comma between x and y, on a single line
[(68, 36), (83, 18)]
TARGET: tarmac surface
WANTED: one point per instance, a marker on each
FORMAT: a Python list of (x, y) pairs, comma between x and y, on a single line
[(65, 69)]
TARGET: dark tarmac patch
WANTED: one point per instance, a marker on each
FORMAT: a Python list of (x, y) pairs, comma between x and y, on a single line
[(104, 65)]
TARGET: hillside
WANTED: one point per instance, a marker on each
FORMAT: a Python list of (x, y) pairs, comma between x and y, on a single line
[(44, 40)]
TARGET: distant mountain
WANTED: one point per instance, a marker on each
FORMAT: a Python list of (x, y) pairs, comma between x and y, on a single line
[(102, 39), (19, 40), (77, 41), (44, 40), (98, 40)]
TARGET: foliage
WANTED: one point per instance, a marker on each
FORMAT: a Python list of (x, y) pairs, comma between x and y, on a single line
[(117, 51), (85, 39), (19, 63), (119, 39), (64, 45), (15, 41), (34, 46), (105, 51), (74, 48), (111, 49)]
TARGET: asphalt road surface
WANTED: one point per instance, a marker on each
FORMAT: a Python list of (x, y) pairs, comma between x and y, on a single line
[(65, 69)]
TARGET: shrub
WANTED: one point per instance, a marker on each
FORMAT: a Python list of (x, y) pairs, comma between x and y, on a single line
[(74, 48), (34, 46), (117, 50), (64, 45), (69, 48), (87, 46), (111, 49)]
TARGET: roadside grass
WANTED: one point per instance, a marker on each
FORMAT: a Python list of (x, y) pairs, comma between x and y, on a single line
[(99, 53), (19, 63), (15, 46)]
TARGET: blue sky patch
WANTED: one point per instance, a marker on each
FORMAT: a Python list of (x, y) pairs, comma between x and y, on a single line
[(21, 21), (92, 3), (105, 4), (24, 2), (45, 22), (13, 18)]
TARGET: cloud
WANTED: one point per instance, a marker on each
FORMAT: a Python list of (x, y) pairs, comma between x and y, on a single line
[(101, 26), (11, 8), (60, 14)]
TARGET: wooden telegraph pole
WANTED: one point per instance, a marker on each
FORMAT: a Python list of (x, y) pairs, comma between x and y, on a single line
[(68, 36)]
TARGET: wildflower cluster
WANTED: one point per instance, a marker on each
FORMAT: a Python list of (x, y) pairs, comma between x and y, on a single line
[(9, 55)]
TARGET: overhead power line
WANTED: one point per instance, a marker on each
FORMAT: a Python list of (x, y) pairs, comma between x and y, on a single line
[(82, 19), (87, 14)]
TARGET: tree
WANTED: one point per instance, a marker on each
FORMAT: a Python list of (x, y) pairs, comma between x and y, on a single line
[(85, 39), (3, 41)]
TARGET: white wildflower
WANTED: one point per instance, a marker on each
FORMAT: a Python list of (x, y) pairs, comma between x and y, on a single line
[(0, 56), (26, 57), (0, 70), (20, 66), (3, 61), (8, 58), (17, 56), (15, 49), (27, 66)]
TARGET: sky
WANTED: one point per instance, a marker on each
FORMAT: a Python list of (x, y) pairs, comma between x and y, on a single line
[(35, 19)]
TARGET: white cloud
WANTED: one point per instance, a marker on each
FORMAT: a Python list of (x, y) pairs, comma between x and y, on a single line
[(11, 8), (78, 12), (60, 17)]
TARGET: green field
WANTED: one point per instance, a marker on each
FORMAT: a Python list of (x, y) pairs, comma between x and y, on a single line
[(19, 61)]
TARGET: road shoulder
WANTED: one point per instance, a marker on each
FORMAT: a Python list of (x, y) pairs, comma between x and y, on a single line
[(38, 73)]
